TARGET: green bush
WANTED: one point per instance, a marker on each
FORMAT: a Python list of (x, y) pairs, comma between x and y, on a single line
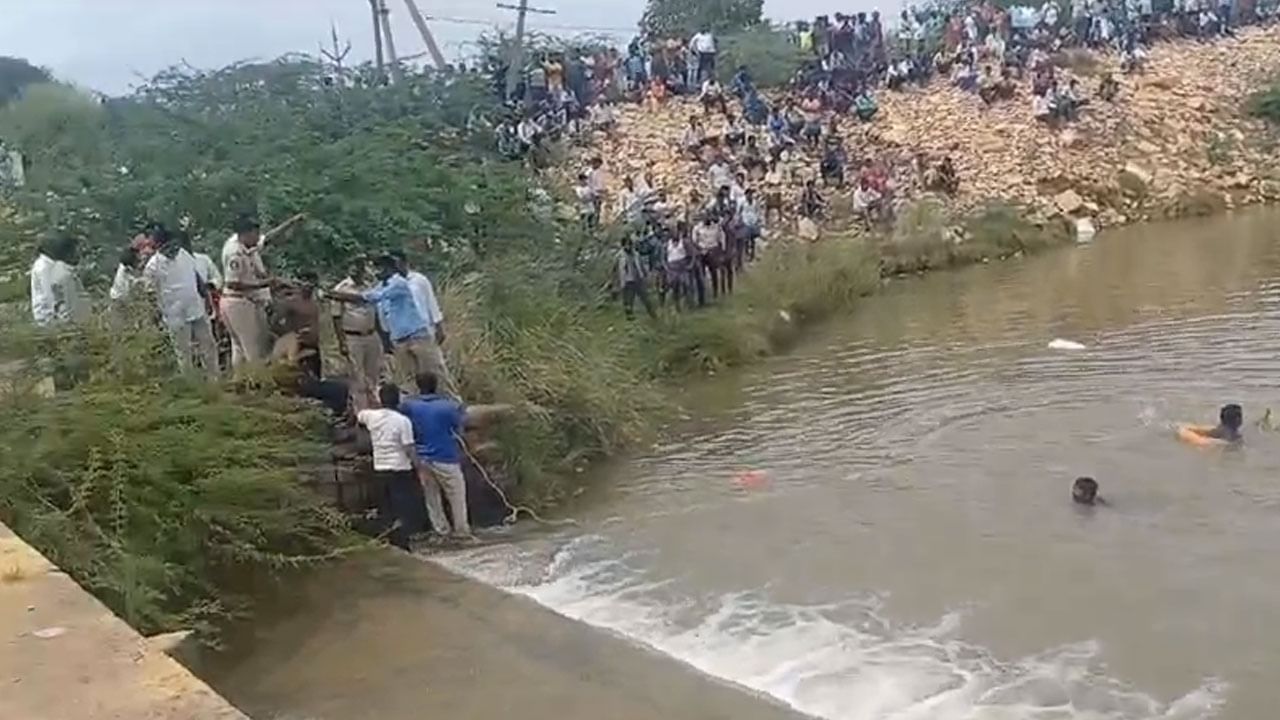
[(767, 52), (1265, 103), (151, 490)]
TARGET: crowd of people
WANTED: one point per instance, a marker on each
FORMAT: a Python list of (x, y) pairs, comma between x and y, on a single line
[(977, 46), (386, 321)]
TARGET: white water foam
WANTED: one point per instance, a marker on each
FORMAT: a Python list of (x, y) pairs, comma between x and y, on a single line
[(840, 662)]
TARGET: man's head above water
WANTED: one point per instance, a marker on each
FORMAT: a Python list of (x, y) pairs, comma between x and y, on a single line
[(1231, 416), (1085, 491)]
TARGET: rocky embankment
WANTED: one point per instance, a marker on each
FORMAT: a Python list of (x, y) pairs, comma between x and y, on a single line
[(1176, 140)]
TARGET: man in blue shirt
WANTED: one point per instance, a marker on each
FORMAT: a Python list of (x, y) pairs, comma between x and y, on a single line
[(438, 423), (412, 336)]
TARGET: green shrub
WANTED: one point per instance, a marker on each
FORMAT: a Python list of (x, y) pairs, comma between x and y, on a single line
[(767, 52), (1265, 103), (152, 490)]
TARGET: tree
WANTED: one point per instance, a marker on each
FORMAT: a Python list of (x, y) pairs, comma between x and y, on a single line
[(767, 52), (62, 133), (16, 74), (681, 18)]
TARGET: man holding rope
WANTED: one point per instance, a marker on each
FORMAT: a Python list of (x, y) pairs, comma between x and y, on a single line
[(438, 423)]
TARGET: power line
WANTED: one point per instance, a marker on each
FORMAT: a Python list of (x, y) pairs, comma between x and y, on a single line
[(496, 23)]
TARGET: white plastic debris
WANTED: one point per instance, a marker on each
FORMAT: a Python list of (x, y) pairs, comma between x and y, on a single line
[(49, 633), (1060, 344), (1085, 230)]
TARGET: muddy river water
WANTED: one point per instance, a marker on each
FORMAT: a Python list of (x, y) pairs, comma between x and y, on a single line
[(904, 545)]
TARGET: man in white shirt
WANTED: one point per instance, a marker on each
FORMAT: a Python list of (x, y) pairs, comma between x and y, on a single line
[(126, 275), (56, 294), (401, 508), (205, 267), (171, 274), (703, 46)]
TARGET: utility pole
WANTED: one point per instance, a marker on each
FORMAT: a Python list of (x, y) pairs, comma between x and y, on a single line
[(436, 56), (377, 35), (517, 54), (390, 42)]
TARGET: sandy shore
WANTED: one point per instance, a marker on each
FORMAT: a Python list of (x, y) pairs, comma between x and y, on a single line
[(392, 637)]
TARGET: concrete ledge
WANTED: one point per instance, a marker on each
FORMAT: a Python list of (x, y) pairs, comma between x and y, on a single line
[(65, 656)]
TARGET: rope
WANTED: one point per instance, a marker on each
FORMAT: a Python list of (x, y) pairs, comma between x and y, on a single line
[(513, 511)]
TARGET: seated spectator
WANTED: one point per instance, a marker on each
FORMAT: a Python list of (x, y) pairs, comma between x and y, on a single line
[(995, 88), (812, 204), (777, 125), (1042, 107), (865, 106), (718, 174), (795, 119), (1067, 102), (712, 96), (588, 210), (831, 168), (755, 109), (741, 84), (657, 96), (897, 75), (752, 160), (942, 62), (603, 117), (773, 181), (812, 132), (1042, 81), (1133, 59), (867, 202), (738, 189), (735, 131), (529, 132), (942, 177), (694, 137), (965, 77), (1108, 88)]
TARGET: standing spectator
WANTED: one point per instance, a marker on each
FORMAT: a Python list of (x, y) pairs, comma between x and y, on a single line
[(355, 326), (394, 463), (703, 47), (171, 274), (708, 236), (680, 255), (631, 280), (56, 294), (438, 423)]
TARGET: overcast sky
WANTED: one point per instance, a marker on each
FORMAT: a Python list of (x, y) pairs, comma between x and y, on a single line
[(108, 44)]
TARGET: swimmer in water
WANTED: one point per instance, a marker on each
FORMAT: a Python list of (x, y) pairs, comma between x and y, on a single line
[(1085, 492), (1230, 420)]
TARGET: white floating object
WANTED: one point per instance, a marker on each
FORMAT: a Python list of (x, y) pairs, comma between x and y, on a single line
[(1060, 344), (1085, 230), (49, 633)]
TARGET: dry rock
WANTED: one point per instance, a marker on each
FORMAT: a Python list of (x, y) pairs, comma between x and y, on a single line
[(1068, 202)]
